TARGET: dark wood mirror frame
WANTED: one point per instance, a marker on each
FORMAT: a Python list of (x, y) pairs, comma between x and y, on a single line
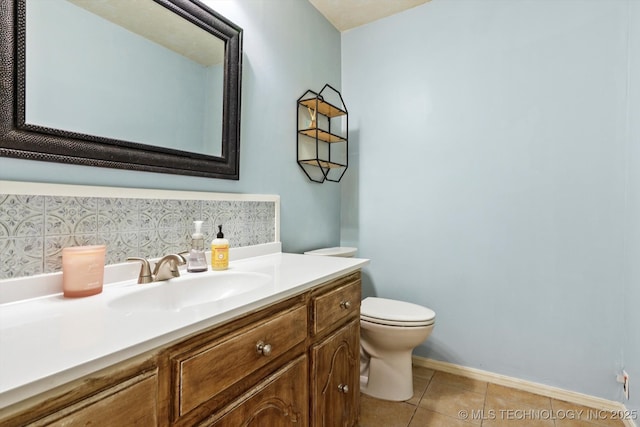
[(25, 141)]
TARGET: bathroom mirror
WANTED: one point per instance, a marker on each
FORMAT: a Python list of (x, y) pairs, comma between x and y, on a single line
[(155, 88)]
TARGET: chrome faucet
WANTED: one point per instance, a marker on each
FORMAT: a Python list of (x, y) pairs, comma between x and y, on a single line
[(165, 269)]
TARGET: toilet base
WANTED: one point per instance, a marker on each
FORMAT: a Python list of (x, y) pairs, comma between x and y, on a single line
[(390, 379)]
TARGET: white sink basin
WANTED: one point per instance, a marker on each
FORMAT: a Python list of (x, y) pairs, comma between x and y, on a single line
[(189, 291)]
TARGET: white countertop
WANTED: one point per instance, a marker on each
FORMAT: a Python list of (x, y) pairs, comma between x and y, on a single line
[(51, 340)]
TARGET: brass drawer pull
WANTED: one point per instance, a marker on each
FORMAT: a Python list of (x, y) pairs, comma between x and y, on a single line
[(263, 349), (343, 388), (345, 305)]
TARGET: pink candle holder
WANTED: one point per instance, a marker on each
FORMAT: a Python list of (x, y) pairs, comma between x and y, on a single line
[(83, 270)]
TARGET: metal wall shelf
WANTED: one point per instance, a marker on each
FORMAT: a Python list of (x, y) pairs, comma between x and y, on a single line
[(322, 153)]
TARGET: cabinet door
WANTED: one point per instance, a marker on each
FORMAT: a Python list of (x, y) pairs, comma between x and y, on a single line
[(281, 400), (335, 374)]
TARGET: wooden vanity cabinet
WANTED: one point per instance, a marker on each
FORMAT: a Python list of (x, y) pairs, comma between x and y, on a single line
[(335, 354), (293, 363)]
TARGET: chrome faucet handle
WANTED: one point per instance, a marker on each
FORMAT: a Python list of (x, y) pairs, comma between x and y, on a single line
[(167, 267), (181, 261), (145, 270), (183, 256)]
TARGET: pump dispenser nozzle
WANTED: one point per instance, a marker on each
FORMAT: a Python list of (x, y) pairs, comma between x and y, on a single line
[(198, 233)]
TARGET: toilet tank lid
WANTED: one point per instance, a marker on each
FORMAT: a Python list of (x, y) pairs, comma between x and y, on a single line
[(343, 251), (388, 309)]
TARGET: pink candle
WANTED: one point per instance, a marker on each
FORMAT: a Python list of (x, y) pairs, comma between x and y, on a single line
[(83, 270)]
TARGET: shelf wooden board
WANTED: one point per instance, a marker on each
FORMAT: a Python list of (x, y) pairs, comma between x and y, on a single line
[(322, 164), (322, 135), (324, 108)]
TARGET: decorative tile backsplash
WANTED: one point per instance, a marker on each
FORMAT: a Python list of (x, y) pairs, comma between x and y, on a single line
[(35, 228)]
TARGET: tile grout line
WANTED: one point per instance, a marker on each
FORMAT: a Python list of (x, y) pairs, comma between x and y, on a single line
[(484, 404), (415, 409)]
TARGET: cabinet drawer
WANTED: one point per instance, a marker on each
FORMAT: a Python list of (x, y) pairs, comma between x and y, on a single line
[(335, 306), (280, 400), (205, 372), (131, 402)]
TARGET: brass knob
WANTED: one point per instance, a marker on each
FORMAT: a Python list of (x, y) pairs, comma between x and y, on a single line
[(345, 304), (343, 388), (263, 349)]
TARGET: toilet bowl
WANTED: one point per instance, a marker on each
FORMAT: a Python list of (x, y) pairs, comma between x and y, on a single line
[(389, 331)]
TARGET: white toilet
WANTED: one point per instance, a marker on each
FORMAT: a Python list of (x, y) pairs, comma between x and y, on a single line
[(389, 331)]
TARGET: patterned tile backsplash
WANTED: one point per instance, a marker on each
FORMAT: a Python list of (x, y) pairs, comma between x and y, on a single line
[(35, 228)]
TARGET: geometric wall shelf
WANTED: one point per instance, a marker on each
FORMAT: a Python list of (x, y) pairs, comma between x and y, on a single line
[(323, 126)]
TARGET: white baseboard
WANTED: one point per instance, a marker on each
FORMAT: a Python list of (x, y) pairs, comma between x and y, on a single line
[(532, 387)]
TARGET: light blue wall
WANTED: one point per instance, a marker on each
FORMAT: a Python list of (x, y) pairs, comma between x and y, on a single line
[(490, 166), (288, 48), (632, 291)]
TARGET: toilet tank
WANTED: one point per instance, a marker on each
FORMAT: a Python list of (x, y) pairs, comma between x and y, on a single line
[(341, 251)]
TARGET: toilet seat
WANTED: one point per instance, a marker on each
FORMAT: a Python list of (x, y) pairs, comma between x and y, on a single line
[(395, 313)]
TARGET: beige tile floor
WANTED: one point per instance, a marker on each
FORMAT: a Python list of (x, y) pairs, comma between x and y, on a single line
[(445, 400)]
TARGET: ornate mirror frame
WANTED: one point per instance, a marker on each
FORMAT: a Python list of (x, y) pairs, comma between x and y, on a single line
[(25, 141)]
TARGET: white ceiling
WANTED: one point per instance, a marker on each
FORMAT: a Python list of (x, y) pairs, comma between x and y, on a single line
[(347, 14)]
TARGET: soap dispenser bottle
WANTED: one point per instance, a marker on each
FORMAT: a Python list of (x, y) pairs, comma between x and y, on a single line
[(197, 261), (220, 251)]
